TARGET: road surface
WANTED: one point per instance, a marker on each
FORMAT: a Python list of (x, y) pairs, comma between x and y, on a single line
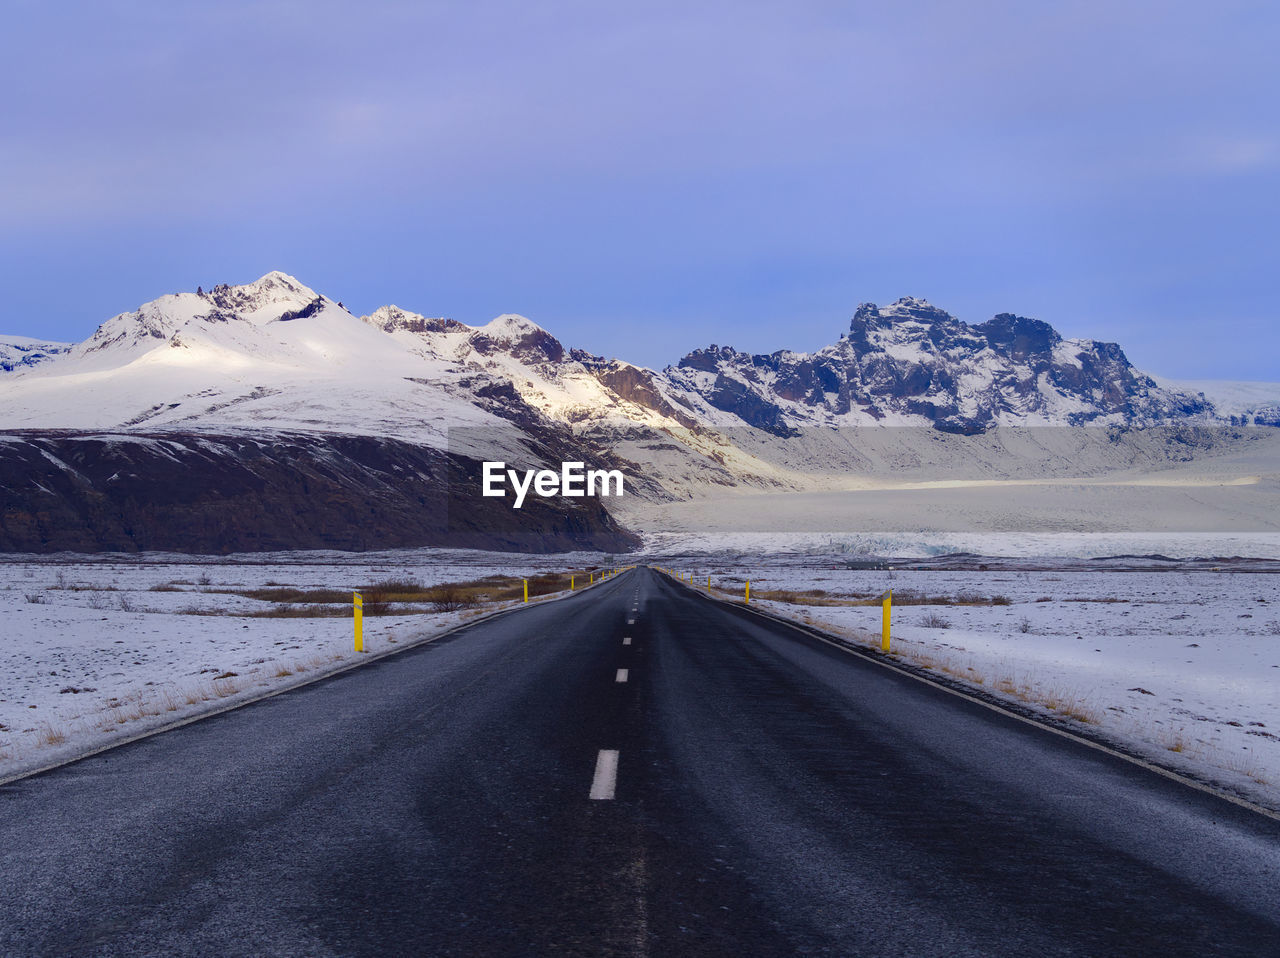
[(635, 770)]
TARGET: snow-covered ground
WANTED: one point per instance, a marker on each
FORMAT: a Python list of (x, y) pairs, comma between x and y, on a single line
[(100, 648), (1183, 668), (919, 544)]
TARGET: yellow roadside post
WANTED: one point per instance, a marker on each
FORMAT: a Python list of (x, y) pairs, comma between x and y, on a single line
[(748, 596), (526, 590), (886, 604), (358, 613), (591, 578), (708, 582), (570, 583)]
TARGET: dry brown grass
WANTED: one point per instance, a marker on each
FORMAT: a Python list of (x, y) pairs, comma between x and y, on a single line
[(223, 688), (1070, 703), (292, 595), (820, 597), (1175, 740), (167, 701), (1008, 685), (311, 611), (395, 596), (49, 734), (1245, 764)]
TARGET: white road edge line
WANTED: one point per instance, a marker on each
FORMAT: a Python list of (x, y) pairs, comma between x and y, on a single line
[(311, 678), (622, 675), (1008, 713), (606, 778)]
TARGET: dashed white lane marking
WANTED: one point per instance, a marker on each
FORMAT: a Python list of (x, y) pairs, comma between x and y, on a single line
[(606, 778), (627, 640), (622, 675), (631, 621)]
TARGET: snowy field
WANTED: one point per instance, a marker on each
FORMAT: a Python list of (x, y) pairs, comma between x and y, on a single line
[(1183, 668), (100, 648)]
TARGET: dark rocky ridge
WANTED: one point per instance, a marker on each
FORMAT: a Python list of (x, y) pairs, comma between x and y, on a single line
[(914, 359), (87, 492)]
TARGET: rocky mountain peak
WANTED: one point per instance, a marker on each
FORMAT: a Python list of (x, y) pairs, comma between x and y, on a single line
[(709, 359), (521, 337), (906, 309), (391, 319), (913, 363), (1019, 336), (262, 300)]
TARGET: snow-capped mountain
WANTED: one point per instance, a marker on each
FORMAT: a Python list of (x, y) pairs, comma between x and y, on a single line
[(911, 363), (240, 381), (275, 354)]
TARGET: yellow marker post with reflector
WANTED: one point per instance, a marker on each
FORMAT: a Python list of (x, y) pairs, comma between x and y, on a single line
[(358, 613), (748, 595), (886, 605), (570, 583), (526, 590)]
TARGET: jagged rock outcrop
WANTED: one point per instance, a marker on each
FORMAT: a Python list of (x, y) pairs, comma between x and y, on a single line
[(912, 363)]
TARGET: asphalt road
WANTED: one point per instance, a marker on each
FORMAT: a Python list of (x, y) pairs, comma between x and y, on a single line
[(773, 796)]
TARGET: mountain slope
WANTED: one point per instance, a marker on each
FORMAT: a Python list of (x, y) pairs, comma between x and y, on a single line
[(217, 494), (1242, 403)]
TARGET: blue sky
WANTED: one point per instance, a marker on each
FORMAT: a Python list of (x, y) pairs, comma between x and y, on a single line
[(642, 179)]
